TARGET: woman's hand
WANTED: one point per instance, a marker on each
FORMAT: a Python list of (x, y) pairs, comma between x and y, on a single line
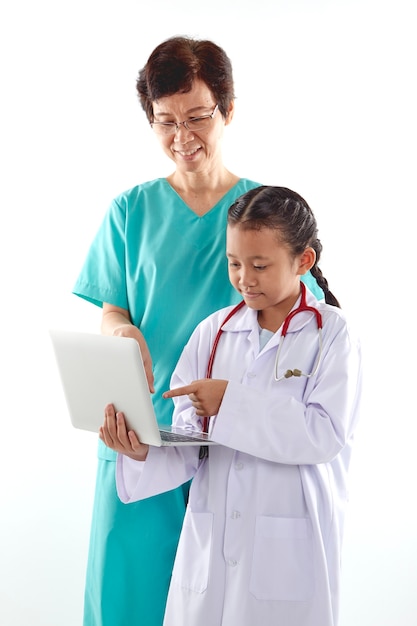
[(206, 395), (116, 436), (117, 322)]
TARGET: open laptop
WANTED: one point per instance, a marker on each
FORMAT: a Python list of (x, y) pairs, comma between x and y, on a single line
[(97, 370)]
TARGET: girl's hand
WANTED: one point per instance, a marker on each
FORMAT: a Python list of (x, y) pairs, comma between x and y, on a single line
[(206, 395), (115, 435)]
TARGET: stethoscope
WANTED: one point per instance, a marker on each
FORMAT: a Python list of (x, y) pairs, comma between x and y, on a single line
[(303, 307)]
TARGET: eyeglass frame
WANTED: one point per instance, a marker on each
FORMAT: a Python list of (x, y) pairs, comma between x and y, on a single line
[(177, 125)]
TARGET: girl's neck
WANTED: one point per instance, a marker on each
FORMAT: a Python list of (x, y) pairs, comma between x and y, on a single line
[(269, 321), (273, 317)]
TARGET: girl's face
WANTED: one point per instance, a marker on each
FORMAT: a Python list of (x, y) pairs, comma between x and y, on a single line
[(197, 151), (264, 272)]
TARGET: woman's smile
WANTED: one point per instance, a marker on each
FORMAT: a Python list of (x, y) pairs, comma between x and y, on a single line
[(187, 154)]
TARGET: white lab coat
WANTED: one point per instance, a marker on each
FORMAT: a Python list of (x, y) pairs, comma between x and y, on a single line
[(261, 540)]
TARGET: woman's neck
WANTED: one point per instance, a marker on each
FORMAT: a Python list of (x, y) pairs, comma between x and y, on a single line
[(201, 192)]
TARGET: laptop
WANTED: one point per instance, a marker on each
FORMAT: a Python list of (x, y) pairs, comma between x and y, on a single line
[(97, 370)]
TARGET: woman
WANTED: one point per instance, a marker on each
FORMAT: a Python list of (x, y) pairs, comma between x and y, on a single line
[(157, 267)]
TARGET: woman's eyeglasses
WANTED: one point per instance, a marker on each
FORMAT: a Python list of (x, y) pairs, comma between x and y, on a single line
[(193, 124)]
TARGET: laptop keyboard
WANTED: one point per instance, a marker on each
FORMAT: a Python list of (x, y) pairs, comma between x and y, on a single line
[(168, 436)]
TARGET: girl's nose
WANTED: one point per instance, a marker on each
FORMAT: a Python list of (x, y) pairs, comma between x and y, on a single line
[(247, 279)]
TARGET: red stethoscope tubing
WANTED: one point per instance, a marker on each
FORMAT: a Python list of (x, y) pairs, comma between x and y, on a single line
[(217, 339), (303, 307), (214, 349)]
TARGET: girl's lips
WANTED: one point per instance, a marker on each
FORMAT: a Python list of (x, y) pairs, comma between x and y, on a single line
[(250, 295)]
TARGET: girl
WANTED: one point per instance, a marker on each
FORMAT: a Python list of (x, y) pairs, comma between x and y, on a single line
[(262, 535)]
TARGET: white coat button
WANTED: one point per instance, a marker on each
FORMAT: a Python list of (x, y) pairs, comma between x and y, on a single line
[(235, 515), (239, 466), (251, 375), (232, 562)]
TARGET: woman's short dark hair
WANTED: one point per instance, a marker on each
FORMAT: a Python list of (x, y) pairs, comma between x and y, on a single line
[(176, 63)]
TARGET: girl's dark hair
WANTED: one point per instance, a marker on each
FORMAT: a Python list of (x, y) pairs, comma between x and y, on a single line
[(286, 211), (176, 63)]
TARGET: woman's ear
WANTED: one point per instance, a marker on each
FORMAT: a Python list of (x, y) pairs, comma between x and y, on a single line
[(307, 260), (230, 113)]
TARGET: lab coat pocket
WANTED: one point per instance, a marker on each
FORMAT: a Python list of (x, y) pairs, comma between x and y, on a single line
[(282, 567), (192, 563)]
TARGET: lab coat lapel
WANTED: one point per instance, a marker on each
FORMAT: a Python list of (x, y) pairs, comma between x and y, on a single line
[(245, 321)]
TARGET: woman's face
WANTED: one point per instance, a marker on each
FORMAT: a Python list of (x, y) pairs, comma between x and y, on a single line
[(196, 151)]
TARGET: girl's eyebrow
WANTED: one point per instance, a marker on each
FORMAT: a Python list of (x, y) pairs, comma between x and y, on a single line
[(251, 258)]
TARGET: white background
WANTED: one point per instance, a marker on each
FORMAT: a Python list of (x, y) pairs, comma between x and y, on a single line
[(325, 105)]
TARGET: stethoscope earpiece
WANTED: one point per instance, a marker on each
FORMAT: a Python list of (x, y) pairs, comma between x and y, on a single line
[(295, 372)]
